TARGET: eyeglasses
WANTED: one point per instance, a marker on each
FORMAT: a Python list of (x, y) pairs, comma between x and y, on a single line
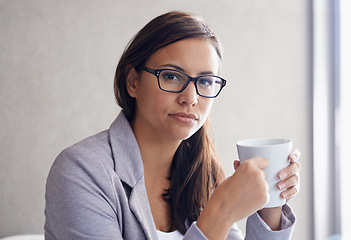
[(170, 80)]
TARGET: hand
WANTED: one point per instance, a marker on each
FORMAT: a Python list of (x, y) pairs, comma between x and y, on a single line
[(245, 192), (290, 180), (251, 179), (239, 196), (290, 177)]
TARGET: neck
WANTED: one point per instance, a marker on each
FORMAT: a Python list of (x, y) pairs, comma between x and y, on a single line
[(157, 152)]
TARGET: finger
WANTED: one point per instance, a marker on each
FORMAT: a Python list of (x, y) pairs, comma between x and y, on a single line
[(236, 164), (288, 183), (264, 175), (295, 155), (289, 193), (292, 169)]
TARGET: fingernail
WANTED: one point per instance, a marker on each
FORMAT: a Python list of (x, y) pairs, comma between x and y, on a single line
[(285, 195), (281, 186), (283, 175), (293, 158)]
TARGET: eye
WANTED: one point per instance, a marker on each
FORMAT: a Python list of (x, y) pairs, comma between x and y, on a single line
[(170, 76), (206, 81)]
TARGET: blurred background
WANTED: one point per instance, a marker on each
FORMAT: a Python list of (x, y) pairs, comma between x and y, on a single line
[(57, 64)]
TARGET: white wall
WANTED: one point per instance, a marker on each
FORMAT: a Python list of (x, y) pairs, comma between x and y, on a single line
[(57, 65)]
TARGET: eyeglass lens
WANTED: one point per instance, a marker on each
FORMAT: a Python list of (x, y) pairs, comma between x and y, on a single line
[(175, 81)]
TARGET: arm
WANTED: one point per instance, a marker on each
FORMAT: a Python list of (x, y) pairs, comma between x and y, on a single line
[(274, 222), (272, 217), (256, 227), (195, 233), (237, 197)]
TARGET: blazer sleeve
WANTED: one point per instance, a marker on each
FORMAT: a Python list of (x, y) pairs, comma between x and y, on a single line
[(79, 201), (256, 229), (194, 233)]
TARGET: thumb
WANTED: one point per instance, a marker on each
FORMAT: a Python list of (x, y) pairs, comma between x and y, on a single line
[(262, 163)]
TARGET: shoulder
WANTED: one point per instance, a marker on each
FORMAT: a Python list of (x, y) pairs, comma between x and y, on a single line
[(89, 147), (90, 158), (89, 150)]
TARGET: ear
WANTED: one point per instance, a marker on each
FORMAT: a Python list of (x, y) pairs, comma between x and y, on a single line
[(131, 81)]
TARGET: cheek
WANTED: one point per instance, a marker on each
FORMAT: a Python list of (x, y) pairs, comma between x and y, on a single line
[(146, 91), (152, 100), (207, 105), (205, 108)]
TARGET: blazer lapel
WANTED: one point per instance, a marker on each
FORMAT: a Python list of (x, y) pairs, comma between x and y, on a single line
[(139, 205), (130, 169)]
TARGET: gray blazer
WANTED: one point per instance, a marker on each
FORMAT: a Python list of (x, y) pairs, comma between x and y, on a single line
[(96, 190)]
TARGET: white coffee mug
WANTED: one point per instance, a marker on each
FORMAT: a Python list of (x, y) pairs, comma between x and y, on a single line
[(276, 151)]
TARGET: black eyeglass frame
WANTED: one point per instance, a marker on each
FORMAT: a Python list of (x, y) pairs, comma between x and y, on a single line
[(157, 73)]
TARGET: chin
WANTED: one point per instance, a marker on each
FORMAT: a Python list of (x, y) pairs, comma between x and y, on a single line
[(184, 135)]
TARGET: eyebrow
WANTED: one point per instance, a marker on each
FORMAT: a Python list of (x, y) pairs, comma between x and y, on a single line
[(182, 69)]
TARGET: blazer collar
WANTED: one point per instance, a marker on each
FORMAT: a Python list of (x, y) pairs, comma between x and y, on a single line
[(125, 150)]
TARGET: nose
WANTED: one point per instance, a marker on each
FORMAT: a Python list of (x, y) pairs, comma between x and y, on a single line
[(189, 95)]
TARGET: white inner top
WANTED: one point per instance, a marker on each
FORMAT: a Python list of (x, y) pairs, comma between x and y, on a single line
[(175, 235)]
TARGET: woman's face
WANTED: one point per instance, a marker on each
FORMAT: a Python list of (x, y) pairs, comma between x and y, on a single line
[(174, 116)]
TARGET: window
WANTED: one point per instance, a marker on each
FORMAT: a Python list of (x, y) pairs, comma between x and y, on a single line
[(326, 96), (345, 117), (332, 119)]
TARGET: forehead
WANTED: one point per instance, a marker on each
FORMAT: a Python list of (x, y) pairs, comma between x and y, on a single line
[(193, 55)]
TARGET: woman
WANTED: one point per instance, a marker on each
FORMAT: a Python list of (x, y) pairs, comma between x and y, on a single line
[(155, 174)]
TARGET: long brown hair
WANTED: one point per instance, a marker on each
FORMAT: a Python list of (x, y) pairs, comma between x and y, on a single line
[(195, 170)]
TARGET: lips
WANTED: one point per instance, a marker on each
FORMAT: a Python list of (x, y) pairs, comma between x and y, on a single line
[(184, 117)]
